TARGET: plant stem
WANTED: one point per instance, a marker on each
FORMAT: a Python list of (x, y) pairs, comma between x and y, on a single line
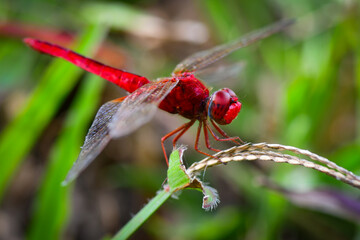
[(144, 214)]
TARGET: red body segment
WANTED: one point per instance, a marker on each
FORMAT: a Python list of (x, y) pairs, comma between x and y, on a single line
[(188, 98), (127, 81)]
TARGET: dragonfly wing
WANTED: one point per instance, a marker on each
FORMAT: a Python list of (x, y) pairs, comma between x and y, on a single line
[(118, 118), (204, 58), (96, 139), (221, 73), (139, 107)]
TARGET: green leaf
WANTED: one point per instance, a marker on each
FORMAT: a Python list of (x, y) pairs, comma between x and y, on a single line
[(177, 177)]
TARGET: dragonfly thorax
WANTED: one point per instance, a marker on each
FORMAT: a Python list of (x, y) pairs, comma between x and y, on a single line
[(188, 98), (223, 106)]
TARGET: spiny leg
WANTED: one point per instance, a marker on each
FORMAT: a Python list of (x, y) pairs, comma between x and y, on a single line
[(222, 139), (206, 135), (182, 127), (189, 124), (196, 147), (227, 138)]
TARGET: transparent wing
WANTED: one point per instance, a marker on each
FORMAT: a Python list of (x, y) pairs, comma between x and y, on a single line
[(140, 106), (202, 59), (96, 139), (222, 73), (118, 118)]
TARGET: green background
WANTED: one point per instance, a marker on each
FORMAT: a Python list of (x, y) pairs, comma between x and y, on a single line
[(300, 88)]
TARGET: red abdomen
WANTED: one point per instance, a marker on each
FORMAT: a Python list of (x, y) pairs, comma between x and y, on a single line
[(127, 81), (188, 98)]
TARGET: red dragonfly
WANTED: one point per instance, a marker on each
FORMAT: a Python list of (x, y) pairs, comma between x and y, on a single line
[(182, 94)]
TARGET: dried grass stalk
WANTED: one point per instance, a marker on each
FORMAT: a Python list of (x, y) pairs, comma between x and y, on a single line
[(275, 153)]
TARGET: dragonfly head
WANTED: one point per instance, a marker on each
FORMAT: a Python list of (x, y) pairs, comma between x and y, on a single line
[(223, 106)]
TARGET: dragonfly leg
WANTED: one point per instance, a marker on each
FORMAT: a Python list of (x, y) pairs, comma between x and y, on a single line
[(196, 147), (183, 129), (186, 127), (236, 140), (206, 135)]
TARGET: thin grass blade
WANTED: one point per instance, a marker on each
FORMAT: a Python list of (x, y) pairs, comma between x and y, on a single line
[(52, 204), (21, 134)]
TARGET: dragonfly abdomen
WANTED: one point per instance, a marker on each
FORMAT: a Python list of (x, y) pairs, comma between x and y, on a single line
[(127, 81)]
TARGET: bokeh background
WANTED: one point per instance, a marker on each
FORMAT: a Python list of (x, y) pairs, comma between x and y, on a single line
[(299, 87)]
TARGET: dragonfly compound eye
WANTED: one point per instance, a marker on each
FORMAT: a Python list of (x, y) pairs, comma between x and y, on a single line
[(231, 93), (223, 106)]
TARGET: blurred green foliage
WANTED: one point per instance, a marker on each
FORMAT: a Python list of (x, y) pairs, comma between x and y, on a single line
[(298, 88)]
